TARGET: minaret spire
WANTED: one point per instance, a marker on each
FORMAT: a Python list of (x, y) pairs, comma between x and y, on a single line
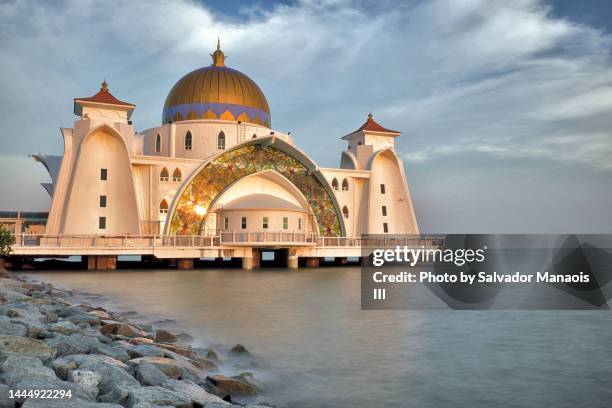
[(218, 56)]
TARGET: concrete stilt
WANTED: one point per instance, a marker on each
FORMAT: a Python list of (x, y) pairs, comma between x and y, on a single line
[(101, 262), (292, 262), (185, 263), (256, 258), (247, 263)]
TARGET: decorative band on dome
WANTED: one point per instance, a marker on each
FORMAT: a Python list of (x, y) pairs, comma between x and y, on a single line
[(201, 111)]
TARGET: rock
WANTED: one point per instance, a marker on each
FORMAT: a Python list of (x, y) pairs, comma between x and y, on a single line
[(64, 327), (74, 344), (232, 386), (83, 318), (87, 379), (145, 350), (65, 403), (5, 401), (157, 396), (18, 367), (164, 336), (27, 346), (50, 384), (239, 350), (168, 366), (12, 329), (130, 331), (148, 374), (109, 327), (211, 355), (113, 350), (190, 371), (186, 352), (248, 378), (141, 340), (112, 372), (205, 364), (27, 315), (100, 314), (196, 393)]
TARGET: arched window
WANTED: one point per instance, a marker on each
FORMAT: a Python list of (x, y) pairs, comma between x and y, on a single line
[(345, 185), (254, 136), (163, 207), (221, 141), (164, 175), (345, 211), (176, 175), (335, 184), (158, 143), (188, 141)]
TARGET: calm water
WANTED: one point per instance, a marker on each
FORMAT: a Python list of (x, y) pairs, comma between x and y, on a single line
[(316, 348)]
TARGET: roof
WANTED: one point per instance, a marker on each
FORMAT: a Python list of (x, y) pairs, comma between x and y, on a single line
[(104, 96), (261, 202), (370, 125)]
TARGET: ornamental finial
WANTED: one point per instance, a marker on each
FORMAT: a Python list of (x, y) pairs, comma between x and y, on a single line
[(104, 87), (218, 56), (370, 116)]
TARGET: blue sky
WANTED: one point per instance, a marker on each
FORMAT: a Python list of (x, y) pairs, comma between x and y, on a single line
[(505, 106)]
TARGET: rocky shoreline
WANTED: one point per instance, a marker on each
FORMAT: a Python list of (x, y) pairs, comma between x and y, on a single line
[(102, 359)]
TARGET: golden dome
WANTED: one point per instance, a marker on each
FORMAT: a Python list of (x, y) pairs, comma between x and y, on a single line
[(216, 92)]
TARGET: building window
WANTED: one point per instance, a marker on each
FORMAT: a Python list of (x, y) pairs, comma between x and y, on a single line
[(285, 223), (335, 184), (158, 143), (384, 210), (188, 141), (164, 175), (102, 201), (299, 224), (176, 175), (103, 174), (102, 223), (385, 227), (382, 189), (243, 223), (254, 136), (264, 223), (221, 141), (345, 211), (163, 207), (345, 185), (225, 223)]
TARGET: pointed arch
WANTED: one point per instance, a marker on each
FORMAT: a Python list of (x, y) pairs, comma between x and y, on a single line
[(188, 140), (335, 184), (164, 175), (158, 143), (345, 211), (177, 176), (345, 185), (221, 141), (163, 206)]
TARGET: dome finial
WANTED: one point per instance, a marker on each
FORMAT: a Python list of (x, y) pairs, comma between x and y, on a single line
[(370, 116), (218, 56), (104, 87)]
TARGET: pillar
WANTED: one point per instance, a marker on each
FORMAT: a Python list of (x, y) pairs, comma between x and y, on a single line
[(292, 262), (185, 263), (312, 262), (247, 263), (91, 262), (256, 258)]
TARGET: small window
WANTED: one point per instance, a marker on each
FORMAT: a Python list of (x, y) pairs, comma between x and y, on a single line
[(164, 175), (299, 224), (221, 141), (188, 141), (243, 223), (226, 223), (384, 210), (285, 223), (335, 184), (385, 227), (163, 207), (345, 185), (265, 223), (345, 211), (102, 201), (103, 174), (382, 189), (359, 143), (102, 223), (158, 143), (254, 136), (177, 176)]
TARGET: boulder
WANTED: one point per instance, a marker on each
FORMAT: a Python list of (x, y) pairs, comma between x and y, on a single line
[(140, 340), (17, 368), (168, 366), (205, 364), (64, 327), (155, 395), (50, 384), (196, 393), (148, 374), (232, 385), (109, 327), (164, 336), (83, 318), (113, 350), (101, 314), (26, 346), (128, 330), (87, 379), (190, 371), (145, 350), (12, 329), (27, 315), (184, 351), (239, 350), (74, 344), (5, 401), (66, 403)]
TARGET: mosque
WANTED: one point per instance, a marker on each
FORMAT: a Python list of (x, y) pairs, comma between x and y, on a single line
[(215, 167)]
